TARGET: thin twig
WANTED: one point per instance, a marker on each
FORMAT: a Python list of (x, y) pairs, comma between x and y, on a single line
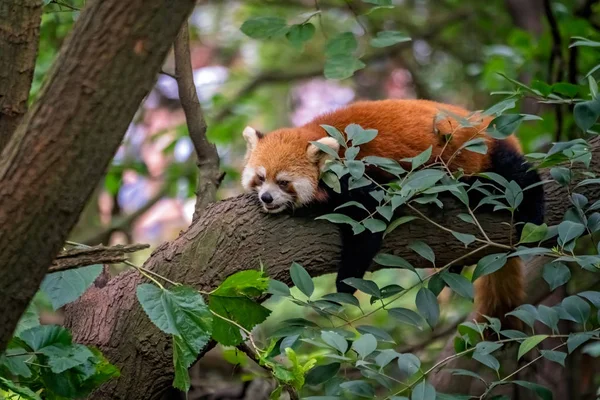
[(83, 256), (209, 177)]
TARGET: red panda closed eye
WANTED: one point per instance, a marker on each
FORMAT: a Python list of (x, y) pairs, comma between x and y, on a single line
[(405, 128)]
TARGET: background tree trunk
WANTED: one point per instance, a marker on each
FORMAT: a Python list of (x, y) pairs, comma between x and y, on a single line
[(61, 149), (233, 235), (19, 39)]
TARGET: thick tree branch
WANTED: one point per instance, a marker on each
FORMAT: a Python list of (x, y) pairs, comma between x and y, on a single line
[(556, 63), (234, 234), (62, 147), (82, 256), (19, 39), (209, 176)]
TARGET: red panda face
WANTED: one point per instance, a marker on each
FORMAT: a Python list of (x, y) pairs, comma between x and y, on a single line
[(283, 168)]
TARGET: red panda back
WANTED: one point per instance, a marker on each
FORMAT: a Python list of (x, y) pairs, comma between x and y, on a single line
[(406, 128)]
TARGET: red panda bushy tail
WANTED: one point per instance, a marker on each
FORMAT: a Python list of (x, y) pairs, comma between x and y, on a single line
[(500, 292)]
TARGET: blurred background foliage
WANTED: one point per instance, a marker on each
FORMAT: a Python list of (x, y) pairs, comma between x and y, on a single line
[(457, 50)]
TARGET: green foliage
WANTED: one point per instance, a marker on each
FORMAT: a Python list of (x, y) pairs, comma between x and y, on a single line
[(66, 286)]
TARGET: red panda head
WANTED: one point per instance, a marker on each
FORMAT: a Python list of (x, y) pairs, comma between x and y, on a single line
[(283, 167)]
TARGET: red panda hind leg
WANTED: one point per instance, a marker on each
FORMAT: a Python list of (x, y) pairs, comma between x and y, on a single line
[(501, 292)]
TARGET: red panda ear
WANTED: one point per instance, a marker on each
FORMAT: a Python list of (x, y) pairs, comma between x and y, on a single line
[(317, 155), (252, 136)]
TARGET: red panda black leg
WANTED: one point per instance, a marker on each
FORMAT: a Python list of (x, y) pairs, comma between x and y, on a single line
[(357, 254)]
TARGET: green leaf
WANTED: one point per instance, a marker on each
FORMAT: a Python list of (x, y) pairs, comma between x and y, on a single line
[(385, 164), (241, 310), (62, 357), (464, 372), (423, 391), (428, 306), (335, 133), (561, 175), (343, 298), (577, 339), (302, 279), (459, 284), (244, 283), (15, 360), (182, 313), (375, 225), (422, 249), (365, 345), (356, 168), (278, 288), (541, 391), (365, 136), (592, 297), (556, 274), (298, 34), (529, 344), (504, 125), (548, 316), (335, 340), (322, 373), (264, 27), (338, 219), (340, 45), (533, 233), (586, 114), (423, 179), (577, 309), (409, 364), (389, 38), (569, 230), (390, 260), (565, 89), (42, 336), (421, 158), (397, 222), (488, 360), (525, 313), (377, 332), (554, 356), (466, 238), (342, 67), (489, 264), (64, 287), (364, 285), (22, 391), (359, 388), (487, 347), (407, 316), (326, 149), (331, 180), (476, 145)]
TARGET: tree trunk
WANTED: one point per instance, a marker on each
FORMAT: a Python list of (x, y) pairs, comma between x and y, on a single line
[(233, 235), (62, 147), (19, 39)]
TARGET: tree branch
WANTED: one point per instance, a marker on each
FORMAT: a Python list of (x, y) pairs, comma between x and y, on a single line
[(209, 177), (82, 256), (234, 234), (19, 39), (62, 147)]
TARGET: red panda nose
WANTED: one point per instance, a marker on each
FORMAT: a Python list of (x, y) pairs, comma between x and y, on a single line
[(266, 198)]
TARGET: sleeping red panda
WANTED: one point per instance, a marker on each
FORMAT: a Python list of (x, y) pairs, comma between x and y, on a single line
[(283, 168)]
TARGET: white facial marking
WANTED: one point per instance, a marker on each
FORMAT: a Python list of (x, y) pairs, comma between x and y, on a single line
[(280, 199), (304, 189)]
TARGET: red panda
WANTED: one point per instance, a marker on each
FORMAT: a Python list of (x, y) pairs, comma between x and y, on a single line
[(283, 168)]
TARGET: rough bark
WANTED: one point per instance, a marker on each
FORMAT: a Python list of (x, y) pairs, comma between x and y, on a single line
[(19, 39), (232, 235), (62, 147)]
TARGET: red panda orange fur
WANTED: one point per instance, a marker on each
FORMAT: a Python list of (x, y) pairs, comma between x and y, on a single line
[(405, 129)]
